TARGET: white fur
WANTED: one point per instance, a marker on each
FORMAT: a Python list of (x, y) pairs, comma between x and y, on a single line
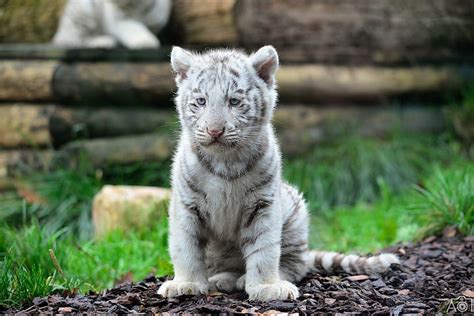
[(106, 23), (234, 222)]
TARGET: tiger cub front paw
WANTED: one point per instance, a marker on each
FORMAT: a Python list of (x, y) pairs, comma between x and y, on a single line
[(280, 290), (174, 288)]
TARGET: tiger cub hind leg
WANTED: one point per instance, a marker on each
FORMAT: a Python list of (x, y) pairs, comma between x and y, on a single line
[(224, 281)]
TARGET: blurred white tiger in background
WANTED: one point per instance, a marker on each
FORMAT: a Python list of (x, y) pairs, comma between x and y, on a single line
[(108, 23), (234, 222)]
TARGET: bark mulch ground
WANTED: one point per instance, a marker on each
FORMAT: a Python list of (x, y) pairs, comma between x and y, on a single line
[(432, 277)]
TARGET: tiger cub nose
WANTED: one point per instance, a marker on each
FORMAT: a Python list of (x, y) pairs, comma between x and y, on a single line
[(215, 133)]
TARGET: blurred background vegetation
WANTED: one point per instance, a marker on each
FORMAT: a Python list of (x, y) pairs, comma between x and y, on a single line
[(376, 123)]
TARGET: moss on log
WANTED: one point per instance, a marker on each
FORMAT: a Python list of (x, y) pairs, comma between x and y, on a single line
[(28, 21)]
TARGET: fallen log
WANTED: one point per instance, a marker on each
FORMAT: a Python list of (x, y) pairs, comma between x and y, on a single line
[(206, 22), (131, 83), (312, 83), (348, 32), (119, 150), (26, 21), (26, 80), (123, 83), (25, 125), (43, 125), (69, 124), (15, 162), (301, 128)]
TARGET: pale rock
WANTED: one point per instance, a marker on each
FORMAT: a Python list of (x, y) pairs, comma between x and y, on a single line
[(127, 207)]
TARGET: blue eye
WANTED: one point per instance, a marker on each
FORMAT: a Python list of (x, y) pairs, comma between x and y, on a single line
[(234, 101), (201, 101)]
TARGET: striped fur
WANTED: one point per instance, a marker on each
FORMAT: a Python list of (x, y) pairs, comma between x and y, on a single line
[(234, 223)]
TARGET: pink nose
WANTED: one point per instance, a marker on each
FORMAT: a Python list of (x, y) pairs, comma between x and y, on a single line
[(215, 133)]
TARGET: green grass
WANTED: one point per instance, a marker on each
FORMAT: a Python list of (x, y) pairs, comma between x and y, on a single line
[(68, 195), (348, 172), (363, 194), (27, 270), (446, 198)]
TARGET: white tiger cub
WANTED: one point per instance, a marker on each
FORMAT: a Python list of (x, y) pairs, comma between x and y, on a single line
[(107, 23), (234, 222)]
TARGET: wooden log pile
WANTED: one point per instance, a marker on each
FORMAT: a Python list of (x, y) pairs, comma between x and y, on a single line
[(304, 31), (341, 61)]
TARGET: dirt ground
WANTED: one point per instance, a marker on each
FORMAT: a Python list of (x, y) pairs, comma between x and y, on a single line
[(434, 275)]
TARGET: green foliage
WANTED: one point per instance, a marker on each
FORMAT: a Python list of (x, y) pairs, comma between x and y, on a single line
[(67, 202), (349, 171), (446, 199), (68, 194), (27, 271), (363, 227), (364, 191), (26, 268), (151, 173)]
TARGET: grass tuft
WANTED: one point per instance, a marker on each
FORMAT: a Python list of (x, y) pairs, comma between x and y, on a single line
[(446, 199), (27, 270)]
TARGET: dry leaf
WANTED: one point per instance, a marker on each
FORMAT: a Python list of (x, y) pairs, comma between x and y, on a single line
[(449, 231), (329, 300)]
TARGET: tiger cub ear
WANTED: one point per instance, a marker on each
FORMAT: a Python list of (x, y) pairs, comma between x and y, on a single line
[(181, 61), (265, 63)]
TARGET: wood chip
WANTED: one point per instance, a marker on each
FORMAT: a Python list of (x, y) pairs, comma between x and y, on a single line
[(468, 293), (403, 292), (64, 310), (419, 285), (360, 277)]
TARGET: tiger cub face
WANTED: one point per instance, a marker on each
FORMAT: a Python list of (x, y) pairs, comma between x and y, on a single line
[(225, 97)]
